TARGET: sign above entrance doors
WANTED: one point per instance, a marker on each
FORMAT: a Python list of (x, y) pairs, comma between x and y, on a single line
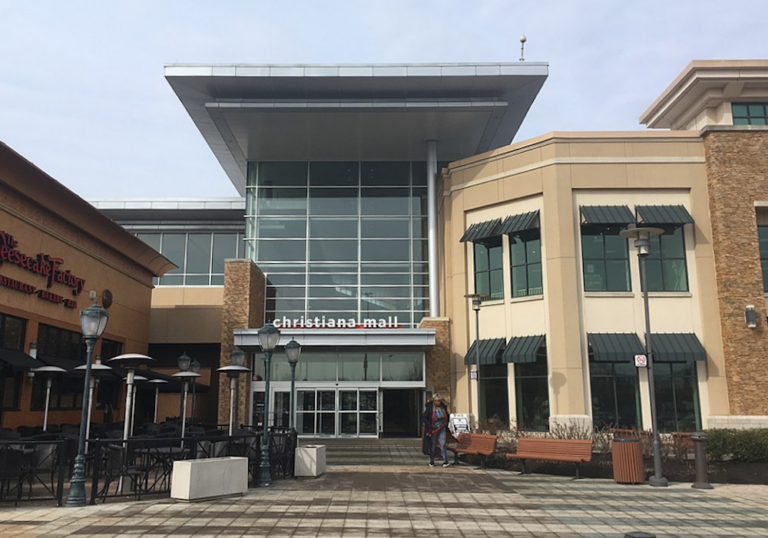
[(321, 322)]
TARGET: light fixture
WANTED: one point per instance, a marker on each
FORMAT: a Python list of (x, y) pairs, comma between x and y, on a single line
[(750, 316), (184, 362), (93, 321), (269, 336), (293, 350), (238, 357)]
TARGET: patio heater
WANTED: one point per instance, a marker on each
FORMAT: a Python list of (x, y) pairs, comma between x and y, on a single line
[(185, 375), (48, 372), (136, 380), (157, 383), (131, 362), (194, 367), (233, 372), (98, 370)]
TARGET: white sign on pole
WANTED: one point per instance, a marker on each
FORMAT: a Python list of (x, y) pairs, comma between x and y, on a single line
[(641, 361), (473, 374), (459, 424)]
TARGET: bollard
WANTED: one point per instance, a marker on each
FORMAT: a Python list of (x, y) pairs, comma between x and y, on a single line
[(639, 534), (700, 451)]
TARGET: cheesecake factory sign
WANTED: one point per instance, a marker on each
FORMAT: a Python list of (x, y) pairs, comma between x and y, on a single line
[(41, 264)]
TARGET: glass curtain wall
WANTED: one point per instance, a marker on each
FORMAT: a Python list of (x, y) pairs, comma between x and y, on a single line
[(344, 240)]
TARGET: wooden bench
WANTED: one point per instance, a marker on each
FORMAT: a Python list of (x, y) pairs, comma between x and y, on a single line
[(476, 444), (566, 450)]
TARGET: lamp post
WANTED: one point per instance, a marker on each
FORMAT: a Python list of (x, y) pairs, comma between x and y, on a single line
[(233, 371), (269, 336), (48, 372), (477, 300), (136, 380), (93, 321), (129, 361), (293, 350), (157, 383), (642, 236), (194, 367), (97, 370), (186, 377), (184, 362)]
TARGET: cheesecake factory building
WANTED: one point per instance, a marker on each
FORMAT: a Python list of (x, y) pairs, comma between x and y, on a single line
[(375, 198)]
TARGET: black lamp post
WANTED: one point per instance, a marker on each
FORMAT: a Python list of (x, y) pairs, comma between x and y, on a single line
[(642, 236), (184, 361), (93, 321), (293, 350), (97, 370), (233, 371), (477, 300), (194, 367), (186, 375), (269, 336)]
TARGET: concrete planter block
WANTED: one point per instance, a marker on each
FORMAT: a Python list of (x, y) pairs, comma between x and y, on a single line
[(194, 480), (310, 460)]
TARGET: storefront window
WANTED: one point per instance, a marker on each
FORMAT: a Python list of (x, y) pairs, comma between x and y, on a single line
[(666, 264), (525, 260), (489, 269), (402, 366), (606, 258), (677, 396), (494, 393), (615, 395), (532, 395)]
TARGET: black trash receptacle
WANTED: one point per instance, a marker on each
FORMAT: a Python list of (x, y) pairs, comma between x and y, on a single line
[(628, 461)]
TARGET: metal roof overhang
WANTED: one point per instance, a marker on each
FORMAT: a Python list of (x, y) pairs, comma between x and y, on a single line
[(606, 214), (663, 214), (519, 223), (614, 347), (677, 347), (523, 349), (354, 112), (490, 351), (481, 230), (249, 338)]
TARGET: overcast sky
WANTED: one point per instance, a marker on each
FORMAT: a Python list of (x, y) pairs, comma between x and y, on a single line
[(82, 93)]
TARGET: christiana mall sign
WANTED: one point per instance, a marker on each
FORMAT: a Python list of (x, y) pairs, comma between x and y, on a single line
[(321, 322), (40, 264)]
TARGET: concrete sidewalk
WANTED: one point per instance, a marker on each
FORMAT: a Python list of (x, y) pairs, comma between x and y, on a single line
[(415, 501)]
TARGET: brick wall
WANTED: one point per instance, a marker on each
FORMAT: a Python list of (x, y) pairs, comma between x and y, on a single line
[(737, 177), (243, 308), (438, 359)]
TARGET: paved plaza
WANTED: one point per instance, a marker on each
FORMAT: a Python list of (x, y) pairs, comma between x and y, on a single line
[(386, 489)]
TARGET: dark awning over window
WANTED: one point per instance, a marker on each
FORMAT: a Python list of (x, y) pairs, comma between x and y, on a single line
[(18, 359), (68, 364), (606, 214), (523, 349), (482, 230), (614, 347), (519, 223), (678, 347), (490, 351), (663, 214)]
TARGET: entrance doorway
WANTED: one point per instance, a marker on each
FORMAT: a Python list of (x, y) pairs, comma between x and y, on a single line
[(401, 412)]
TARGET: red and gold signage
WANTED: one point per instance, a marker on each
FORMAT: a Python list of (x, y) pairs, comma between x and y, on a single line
[(41, 264)]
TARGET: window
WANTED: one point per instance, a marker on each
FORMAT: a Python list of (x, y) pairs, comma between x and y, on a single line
[(489, 269), (750, 113), (66, 393), (677, 396), (12, 332), (494, 393), (532, 395), (666, 264), (615, 395), (108, 388), (762, 236), (525, 260), (606, 258), (60, 343)]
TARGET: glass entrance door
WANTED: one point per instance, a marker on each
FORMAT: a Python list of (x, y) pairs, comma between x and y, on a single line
[(337, 412)]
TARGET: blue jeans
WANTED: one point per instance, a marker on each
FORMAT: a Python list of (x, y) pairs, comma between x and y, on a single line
[(439, 437)]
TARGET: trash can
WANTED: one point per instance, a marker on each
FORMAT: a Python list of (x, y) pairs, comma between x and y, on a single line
[(628, 461)]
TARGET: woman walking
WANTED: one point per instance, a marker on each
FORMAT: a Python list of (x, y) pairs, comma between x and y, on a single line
[(435, 421)]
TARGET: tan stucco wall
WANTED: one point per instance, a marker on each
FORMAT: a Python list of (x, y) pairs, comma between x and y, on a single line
[(555, 174), (186, 314)]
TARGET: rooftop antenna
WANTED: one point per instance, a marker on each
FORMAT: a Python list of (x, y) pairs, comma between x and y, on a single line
[(523, 39)]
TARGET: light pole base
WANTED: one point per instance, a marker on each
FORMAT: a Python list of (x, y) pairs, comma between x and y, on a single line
[(659, 482)]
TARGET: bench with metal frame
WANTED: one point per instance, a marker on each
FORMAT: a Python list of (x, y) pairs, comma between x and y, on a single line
[(576, 451), (476, 444)]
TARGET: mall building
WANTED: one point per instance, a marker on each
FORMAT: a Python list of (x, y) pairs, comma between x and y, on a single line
[(375, 198)]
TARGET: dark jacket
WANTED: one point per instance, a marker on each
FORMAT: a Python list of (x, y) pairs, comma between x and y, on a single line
[(426, 418)]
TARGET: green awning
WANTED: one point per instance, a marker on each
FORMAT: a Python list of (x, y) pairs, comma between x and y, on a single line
[(677, 347), (482, 230), (614, 347), (523, 349), (519, 223), (606, 214), (490, 351), (663, 214)]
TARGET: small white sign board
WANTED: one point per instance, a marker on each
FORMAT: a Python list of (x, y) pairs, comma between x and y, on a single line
[(641, 361), (473, 374), (459, 424)]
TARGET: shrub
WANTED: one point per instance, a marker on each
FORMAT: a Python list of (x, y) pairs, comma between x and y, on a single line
[(748, 446)]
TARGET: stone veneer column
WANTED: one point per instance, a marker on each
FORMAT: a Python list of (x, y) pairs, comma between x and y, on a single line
[(244, 287), (737, 177), (438, 359)]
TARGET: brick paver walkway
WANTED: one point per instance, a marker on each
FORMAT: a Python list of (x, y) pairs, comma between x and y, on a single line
[(405, 498)]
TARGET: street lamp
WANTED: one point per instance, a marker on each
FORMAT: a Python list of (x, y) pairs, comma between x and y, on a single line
[(93, 321), (184, 362), (269, 336), (97, 371), (186, 377), (194, 367), (157, 383), (477, 300), (233, 371), (293, 350), (136, 380), (642, 236)]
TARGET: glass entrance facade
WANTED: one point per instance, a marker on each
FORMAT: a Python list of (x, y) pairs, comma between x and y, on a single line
[(344, 240)]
